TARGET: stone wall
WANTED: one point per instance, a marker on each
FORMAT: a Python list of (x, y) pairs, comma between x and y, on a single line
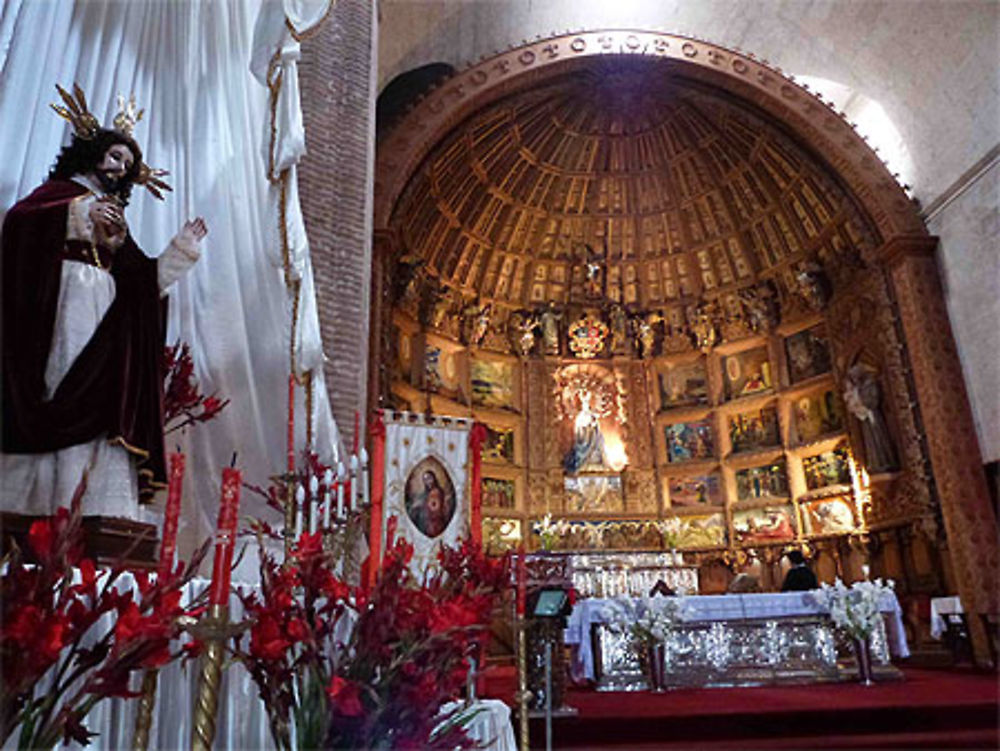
[(335, 186)]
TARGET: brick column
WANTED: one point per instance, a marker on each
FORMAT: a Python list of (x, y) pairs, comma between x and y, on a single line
[(337, 78), (956, 462)]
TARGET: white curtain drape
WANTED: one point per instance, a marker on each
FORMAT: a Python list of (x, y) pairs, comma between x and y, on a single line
[(414, 445), (188, 64)]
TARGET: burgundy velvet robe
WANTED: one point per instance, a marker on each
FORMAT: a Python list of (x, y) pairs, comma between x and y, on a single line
[(115, 386)]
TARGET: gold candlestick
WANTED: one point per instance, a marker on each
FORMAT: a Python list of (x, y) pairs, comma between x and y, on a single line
[(144, 712), (523, 694), (206, 706)]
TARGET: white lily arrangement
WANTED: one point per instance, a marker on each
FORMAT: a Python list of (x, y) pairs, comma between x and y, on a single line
[(646, 620), (548, 530), (672, 530), (855, 609)]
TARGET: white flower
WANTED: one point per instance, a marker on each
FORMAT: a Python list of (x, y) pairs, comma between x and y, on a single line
[(855, 609), (646, 620), (672, 530), (549, 530)]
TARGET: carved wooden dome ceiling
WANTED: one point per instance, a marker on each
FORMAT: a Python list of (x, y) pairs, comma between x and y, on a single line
[(680, 191)]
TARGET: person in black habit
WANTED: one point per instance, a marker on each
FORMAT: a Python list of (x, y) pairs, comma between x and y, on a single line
[(799, 577)]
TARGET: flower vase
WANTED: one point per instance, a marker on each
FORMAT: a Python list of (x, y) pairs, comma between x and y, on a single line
[(676, 557), (657, 669), (863, 653)]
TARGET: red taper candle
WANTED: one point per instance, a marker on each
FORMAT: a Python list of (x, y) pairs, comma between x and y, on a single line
[(225, 536), (171, 517)]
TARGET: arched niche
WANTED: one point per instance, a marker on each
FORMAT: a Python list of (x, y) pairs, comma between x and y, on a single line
[(904, 326)]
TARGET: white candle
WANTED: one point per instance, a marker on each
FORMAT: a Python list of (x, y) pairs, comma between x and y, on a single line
[(365, 490), (341, 477), (327, 482), (300, 498), (355, 477), (313, 504)]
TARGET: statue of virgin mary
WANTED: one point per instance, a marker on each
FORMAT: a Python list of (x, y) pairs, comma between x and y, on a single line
[(587, 452)]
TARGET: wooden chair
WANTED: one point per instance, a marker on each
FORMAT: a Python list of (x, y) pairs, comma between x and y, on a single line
[(956, 637)]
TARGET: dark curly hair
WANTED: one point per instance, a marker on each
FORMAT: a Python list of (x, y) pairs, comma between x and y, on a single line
[(83, 155)]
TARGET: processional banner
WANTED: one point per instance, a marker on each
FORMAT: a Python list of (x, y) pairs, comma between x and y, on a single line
[(426, 482)]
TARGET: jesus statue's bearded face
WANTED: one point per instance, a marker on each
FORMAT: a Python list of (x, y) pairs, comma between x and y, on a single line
[(114, 166)]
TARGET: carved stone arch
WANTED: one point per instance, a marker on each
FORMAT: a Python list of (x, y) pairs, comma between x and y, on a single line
[(811, 119)]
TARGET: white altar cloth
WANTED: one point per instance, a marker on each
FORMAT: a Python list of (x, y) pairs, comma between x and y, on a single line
[(727, 607), (490, 726)]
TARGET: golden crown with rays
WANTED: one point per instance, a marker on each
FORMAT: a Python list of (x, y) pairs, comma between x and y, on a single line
[(86, 126)]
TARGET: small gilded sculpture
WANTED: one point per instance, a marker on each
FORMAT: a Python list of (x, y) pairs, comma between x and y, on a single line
[(761, 306), (522, 329), (812, 286), (701, 321), (618, 323), (862, 397), (476, 322), (645, 333), (548, 320)]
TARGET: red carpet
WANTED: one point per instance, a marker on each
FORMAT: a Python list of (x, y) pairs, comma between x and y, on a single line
[(937, 709)]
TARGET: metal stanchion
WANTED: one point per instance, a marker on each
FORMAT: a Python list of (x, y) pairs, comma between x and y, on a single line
[(523, 695), (548, 695)]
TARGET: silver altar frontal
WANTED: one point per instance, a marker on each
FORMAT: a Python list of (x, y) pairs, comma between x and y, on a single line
[(630, 574), (732, 640)]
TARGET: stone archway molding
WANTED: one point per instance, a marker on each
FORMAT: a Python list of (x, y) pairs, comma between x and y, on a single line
[(811, 119)]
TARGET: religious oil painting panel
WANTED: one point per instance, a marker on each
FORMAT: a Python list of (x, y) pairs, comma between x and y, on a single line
[(765, 481), (747, 373), (764, 525), (501, 535), (817, 415), (430, 497), (808, 354), (696, 490), (683, 385), (492, 383), (826, 469), (703, 531), (828, 516), (499, 493), (594, 493), (756, 429), (499, 444), (690, 441), (440, 371)]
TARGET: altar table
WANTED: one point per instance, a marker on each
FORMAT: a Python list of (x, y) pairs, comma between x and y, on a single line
[(801, 617)]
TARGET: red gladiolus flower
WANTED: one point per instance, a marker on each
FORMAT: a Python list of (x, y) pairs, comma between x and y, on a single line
[(23, 626), (211, 407), (54, 638), (297, 630), (266, 639), (129, 623), (40, 537), (345, 696), (309, 545)]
